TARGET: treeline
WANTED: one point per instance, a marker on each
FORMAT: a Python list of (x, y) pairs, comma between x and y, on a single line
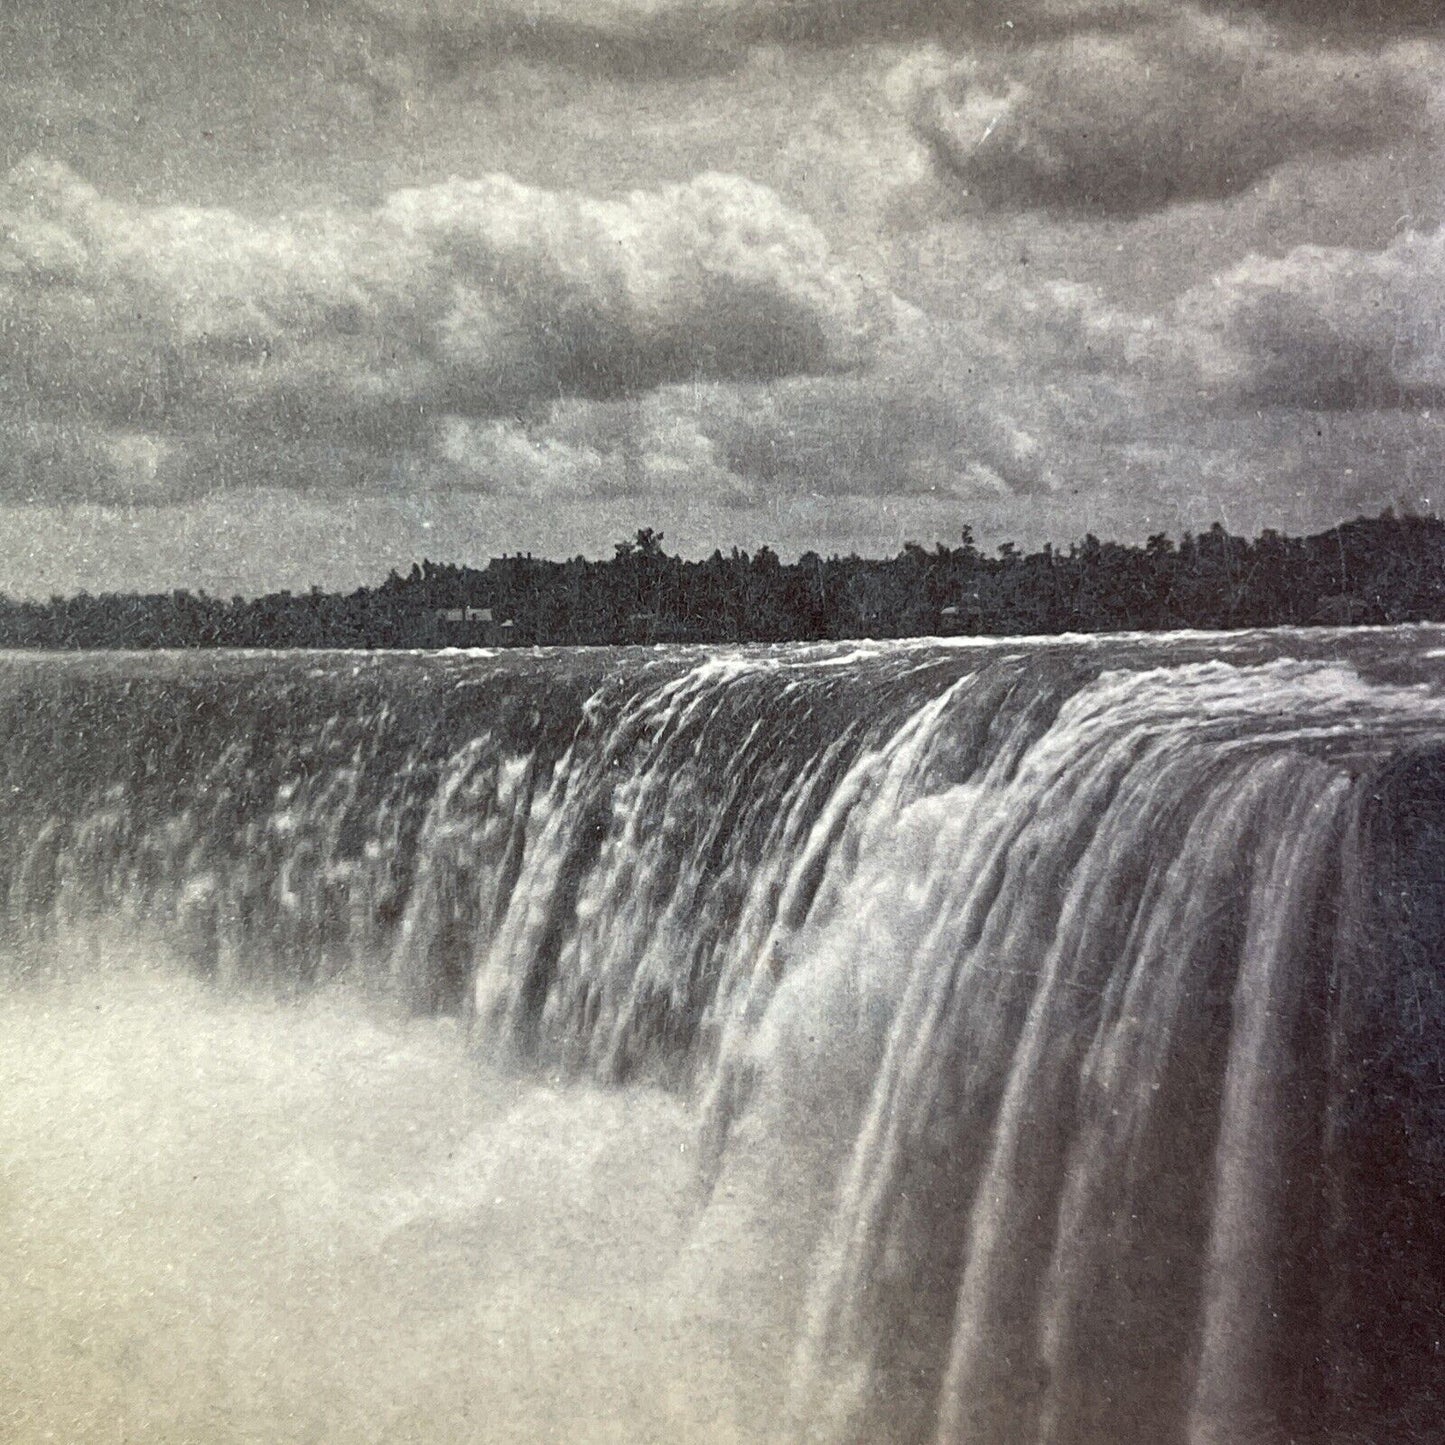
[(1379, 570)]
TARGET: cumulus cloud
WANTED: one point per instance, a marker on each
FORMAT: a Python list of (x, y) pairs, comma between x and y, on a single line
[(943, 413), (1185, 109), (590, 452), (477, 299), (1330, 328), (964, 411)]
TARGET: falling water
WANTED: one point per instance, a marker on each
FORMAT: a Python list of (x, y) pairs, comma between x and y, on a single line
[(1015, 1042)]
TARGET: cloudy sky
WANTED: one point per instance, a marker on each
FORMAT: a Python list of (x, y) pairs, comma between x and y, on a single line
[(296, 291)]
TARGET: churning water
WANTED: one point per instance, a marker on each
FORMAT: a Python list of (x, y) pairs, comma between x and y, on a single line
[(1013, 1042)]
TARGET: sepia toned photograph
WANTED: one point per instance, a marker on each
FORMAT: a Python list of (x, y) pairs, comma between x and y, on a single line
[(722, 722)]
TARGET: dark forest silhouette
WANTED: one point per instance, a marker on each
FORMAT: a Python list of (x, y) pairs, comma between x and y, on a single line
[(1381, 570)]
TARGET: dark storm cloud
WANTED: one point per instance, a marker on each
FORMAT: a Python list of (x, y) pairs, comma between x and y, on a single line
[(1195, 109), (635, 39), (1353, 17), (471, 298)]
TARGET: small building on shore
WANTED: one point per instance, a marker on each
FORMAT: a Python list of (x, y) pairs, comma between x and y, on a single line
[(469, 627), (961, 617)]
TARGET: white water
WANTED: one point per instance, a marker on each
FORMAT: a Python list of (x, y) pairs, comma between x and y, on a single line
[(225, 1221), (910, 1044)]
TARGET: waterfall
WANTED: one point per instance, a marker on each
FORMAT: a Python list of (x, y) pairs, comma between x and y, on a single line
[(1090, 991)]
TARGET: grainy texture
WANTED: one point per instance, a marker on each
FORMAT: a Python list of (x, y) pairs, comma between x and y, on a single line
[(299, 291), (933, 1043)]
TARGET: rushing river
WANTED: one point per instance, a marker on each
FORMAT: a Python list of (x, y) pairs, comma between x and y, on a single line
[(1013, 1043)]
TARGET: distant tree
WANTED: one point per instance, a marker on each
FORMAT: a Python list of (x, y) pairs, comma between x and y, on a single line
[(1387, 569)]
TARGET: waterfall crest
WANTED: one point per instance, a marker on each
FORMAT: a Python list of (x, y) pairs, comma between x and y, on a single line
[(1094, 989)]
